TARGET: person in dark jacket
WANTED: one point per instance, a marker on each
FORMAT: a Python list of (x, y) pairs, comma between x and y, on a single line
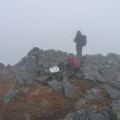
[(81, 41)]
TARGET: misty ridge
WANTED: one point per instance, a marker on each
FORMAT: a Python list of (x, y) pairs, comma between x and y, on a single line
[(53, 25), (59, 60), (54, 85)]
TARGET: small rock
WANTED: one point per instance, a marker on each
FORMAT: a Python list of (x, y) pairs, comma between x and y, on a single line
[(43, 79), (55, 85), (69, 91), (93, 95)]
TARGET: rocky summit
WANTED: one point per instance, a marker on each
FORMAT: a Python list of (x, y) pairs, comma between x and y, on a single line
[(43, 86)]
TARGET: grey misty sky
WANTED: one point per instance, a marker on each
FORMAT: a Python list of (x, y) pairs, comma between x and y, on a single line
[(53, 24)]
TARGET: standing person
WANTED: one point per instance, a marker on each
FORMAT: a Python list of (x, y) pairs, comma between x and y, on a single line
[(81, 41)]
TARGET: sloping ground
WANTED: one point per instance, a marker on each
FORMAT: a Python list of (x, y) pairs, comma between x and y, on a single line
[(40, 102)]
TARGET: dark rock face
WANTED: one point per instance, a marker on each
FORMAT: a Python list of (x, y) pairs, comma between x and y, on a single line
[(81, 41), (87, 115)]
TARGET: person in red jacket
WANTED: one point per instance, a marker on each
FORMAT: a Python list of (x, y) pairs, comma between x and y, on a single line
[(73, 63)]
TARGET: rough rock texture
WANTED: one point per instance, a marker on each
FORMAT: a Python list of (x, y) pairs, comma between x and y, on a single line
[(116, 105), (93, 95), (87, 115), (68, 89), (113, 92), (101, 68), (48, 58), (26, 70), (55, 85), (115, 84), (95, 67), (36, 62)]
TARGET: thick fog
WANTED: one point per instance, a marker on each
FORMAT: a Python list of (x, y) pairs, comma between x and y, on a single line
[(52, 24)]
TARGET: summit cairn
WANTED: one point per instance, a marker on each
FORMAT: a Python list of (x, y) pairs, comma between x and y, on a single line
[(81, 41)]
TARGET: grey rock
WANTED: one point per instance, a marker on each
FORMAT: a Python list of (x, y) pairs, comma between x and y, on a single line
[(43, 79), (87, 115), (2, 67), (116, 105), (93, 75), (68, 88), (115, 84), (26, 70), (101, 68), (109, 74), (48, 58), (113, 92), (93, 95), (55, 85), (9, 97), (80, 103)]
